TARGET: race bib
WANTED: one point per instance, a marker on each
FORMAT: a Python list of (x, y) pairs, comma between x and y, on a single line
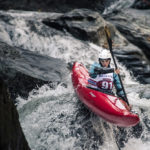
[(108, 85)]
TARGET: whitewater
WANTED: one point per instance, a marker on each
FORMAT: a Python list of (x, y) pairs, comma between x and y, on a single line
[(55, 119)]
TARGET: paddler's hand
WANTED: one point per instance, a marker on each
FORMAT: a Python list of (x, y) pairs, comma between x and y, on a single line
[(130, 107), (117, 71)]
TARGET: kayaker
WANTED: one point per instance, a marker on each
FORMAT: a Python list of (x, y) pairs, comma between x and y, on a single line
[(103, 77)]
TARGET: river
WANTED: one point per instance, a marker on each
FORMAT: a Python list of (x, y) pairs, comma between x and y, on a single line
[(55, 119)]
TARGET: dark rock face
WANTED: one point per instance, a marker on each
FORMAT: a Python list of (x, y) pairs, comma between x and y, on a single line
[(53, 5), (135, 28), (11, 135), (141, 4), (24, 70), (134, 25), (82, 24), (135, 63)]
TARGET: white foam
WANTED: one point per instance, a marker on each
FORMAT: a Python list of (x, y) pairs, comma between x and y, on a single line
[(47, 114)]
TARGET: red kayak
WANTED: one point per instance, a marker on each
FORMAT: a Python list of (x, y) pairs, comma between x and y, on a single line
[(109, 107)]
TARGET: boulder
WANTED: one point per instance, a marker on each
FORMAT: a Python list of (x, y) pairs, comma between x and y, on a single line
[(135, 26), (25, 70), (141, 4), (83, 24), (86, 25), (11, 134)]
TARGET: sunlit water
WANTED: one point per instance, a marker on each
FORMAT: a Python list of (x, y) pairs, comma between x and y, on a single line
[(55, 119)]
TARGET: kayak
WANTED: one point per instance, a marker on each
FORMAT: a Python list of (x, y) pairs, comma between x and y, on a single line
[(107, 106)]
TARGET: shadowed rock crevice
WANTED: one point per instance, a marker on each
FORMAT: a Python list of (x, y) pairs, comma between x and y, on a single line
[(11, 135)]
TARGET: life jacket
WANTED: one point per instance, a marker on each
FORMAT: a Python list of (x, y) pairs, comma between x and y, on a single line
[(102, 81)]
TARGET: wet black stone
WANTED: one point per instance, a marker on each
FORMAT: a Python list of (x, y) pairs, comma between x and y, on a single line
[(23, 70), (54, 5), (11, 134), (83, 24), (140, 4)]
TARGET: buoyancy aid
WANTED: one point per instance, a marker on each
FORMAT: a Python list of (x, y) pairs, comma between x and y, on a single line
[(102, 81), (93, 83)]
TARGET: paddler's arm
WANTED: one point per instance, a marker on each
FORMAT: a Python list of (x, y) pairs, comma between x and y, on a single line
[(118, 86), (91, 71)]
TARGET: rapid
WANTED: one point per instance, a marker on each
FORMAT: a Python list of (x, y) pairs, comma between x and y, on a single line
[(55, 119)]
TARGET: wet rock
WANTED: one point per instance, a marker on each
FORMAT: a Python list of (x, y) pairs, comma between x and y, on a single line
[(84, 24), (133, 24), (135, 63), (81, 23), (24, 70), (54, 5), (141, 4), (11, 135)]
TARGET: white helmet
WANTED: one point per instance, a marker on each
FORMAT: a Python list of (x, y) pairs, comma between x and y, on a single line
[(105, 54)]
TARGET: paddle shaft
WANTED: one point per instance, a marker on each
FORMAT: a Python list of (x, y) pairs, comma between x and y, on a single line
[(112, 54)]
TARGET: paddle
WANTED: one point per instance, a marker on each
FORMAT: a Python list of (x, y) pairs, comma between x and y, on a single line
[(108, 36)]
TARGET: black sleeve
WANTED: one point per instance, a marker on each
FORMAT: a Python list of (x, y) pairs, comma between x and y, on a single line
[(101, 70)]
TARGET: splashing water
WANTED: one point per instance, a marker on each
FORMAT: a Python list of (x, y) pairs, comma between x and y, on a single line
[(54, 118)]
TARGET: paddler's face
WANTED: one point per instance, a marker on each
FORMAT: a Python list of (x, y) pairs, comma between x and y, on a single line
[(105, 62)]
